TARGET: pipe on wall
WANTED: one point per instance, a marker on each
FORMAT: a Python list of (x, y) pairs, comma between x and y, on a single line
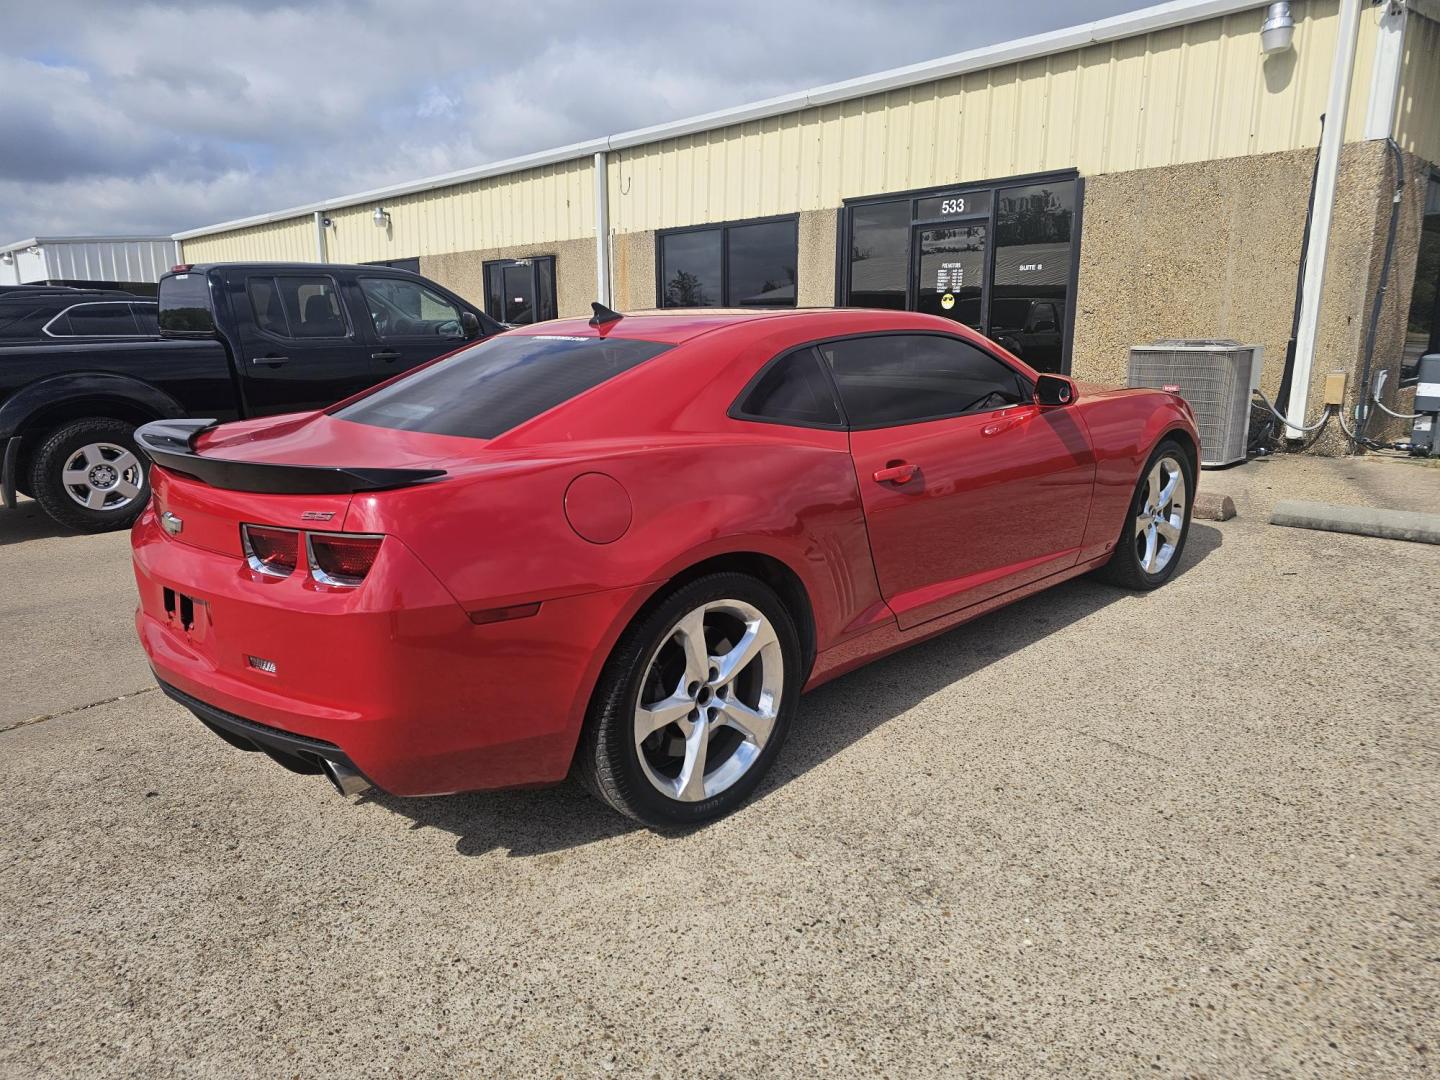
[(1331, 140), (322, 253), (602, 229)]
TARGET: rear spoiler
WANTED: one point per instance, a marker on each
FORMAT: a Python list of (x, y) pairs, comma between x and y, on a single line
[(171, 445)]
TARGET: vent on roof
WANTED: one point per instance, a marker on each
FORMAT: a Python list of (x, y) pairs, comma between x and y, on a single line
[(1216, 378)]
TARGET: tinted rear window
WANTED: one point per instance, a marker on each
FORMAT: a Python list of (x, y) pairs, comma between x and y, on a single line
[(185, 304), (493, 386)]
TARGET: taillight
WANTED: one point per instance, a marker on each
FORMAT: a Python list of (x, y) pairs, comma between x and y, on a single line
[(273, 552), (340, 558)]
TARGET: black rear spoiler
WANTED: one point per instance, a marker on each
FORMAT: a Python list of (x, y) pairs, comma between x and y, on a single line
[(171, 445)]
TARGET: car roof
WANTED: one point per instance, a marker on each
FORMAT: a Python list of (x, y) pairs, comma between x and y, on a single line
[(676, 325)]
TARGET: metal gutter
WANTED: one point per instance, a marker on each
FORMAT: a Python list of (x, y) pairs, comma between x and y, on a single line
[(41, 241), (1144, 21)]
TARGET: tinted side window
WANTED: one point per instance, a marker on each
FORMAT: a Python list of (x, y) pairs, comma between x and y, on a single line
[(406, 309), (146, 318), (794, 390), (312, 307), (95, 320), (905, 378), (265, 306)]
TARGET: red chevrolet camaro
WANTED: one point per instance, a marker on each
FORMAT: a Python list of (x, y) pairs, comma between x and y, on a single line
[(626, 546)]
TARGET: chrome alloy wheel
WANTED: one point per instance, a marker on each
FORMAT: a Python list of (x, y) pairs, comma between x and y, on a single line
[(1161, 521), (709, 700), (103, 476)]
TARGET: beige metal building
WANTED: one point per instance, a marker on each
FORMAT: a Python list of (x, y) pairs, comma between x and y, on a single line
[(1140, 177)]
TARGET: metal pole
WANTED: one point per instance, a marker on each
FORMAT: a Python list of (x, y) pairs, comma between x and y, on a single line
[(1331, 140)]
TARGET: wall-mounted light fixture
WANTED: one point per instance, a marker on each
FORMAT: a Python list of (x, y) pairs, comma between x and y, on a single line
[(381, 217), (1277, 32), (326, 223), (7, 257)]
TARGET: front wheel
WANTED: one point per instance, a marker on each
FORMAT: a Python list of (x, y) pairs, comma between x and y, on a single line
[(1153, 536), (90, 475), (694, 703)]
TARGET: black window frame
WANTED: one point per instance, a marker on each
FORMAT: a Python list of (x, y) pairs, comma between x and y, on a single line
[(724, 227), (737, 411), (994, 186)]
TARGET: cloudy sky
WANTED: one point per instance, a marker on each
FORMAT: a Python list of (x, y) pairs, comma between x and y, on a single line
[(151, 118)]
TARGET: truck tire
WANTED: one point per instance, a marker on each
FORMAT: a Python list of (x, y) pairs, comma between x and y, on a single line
[(90, 476)]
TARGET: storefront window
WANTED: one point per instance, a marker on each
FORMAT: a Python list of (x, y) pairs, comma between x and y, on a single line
[(879, 254), (741, 265), (520, 291), (1032, 271)]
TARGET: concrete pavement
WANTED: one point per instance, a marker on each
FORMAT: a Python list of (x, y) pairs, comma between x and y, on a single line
[(1095, 834)]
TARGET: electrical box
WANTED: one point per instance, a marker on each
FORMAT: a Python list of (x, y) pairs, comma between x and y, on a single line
[(1425, 429), (1335, 388)]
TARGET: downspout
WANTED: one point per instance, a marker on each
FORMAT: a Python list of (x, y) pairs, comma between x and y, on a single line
[(322, 251), (602, 228), (1327, 173)]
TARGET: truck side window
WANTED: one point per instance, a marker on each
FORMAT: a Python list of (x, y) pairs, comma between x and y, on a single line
[(406, 309), (265, 305), (297, 307)]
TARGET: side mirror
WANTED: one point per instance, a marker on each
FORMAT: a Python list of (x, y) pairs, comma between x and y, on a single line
[(469, 325), (1054, 391)]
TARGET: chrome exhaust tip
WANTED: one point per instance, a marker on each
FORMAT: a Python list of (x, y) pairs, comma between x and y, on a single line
[(347, 781)]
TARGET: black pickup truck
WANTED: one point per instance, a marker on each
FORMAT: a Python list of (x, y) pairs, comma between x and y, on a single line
[(79, 372)]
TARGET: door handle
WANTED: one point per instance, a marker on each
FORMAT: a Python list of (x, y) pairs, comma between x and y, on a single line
[(388, 355), (899, 472), (1005, 423), (272, 361)]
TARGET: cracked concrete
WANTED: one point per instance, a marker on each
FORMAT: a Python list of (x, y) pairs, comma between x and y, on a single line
[(1096, 834)]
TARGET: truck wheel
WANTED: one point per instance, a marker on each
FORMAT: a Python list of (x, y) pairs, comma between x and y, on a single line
[(89, 475)]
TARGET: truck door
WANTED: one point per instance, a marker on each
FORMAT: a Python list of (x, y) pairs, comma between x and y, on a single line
[(299, 348), (410, 322)]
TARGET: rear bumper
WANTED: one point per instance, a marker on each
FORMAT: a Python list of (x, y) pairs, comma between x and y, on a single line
[(294, 751), (391, 679)]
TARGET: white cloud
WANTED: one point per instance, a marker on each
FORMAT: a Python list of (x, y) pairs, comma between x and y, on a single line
[(165, 116)]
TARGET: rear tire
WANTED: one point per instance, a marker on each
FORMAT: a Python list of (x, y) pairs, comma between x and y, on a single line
[(90, 476), (1152, 540), (679, 736)]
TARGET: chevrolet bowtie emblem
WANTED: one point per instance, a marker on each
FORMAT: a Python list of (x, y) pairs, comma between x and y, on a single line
[(171, 524)]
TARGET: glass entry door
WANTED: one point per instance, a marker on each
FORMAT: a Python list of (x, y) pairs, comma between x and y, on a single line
[(520, 291), (948, 271)]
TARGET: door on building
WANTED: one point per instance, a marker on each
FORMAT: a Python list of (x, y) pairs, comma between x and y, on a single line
[(519, 291), (999, 258), (948, 271)]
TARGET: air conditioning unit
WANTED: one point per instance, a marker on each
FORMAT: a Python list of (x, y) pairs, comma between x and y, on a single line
[(1216, 378)]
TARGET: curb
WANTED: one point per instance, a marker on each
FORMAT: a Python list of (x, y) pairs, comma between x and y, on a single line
[(1358, 520)]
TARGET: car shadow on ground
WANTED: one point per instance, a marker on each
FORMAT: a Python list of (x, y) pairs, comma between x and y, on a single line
[(544, 820), (28, 522)]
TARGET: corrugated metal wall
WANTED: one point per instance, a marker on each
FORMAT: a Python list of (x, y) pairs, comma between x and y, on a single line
[(543, 205), (1192, 93), (1417, 114), (279, 241), (100, 260)]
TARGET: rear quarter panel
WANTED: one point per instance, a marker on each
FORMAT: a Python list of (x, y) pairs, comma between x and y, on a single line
[(1125, 426)]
